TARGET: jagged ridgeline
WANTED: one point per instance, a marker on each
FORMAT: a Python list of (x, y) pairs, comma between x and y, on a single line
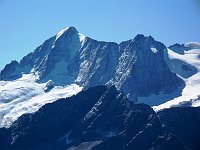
[(99, 118), (136, 66)]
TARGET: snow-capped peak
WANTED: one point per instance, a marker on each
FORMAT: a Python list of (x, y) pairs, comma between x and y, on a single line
[(66, 59), (58, 35)]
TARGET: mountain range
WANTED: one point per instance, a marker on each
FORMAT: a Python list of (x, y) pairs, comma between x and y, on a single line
[(102, 118), (115, 79), (137, 67)]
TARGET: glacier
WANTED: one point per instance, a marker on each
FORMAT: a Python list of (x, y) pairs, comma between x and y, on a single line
[(191, 93), (143, 68), (25, 95), (136, 67), (183, 60)]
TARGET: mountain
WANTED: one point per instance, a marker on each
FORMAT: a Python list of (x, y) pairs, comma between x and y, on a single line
[(184, 123), (184, 60), (136, 67), (74, 92), (25, 95), (142, 68), (97, 118)]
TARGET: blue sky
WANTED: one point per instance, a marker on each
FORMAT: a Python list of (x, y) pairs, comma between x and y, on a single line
[(25, 24)]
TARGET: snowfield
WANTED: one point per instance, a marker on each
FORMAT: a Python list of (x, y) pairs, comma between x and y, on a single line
[(25, 95), (190, 94)]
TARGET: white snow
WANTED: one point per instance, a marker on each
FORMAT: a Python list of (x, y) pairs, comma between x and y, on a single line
[(25, 95), (193, 45), (60, 33), (154, 50), (191, 91), (82, 38)]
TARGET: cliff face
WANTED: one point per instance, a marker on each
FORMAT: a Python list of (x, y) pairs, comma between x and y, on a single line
[(145, 70), (98, 118), (136, 67)]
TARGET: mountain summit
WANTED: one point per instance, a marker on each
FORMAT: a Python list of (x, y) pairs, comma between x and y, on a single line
[(68, 62), (74, 92), (136, 66)]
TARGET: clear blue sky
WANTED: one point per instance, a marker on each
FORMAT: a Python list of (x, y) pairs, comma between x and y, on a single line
[(25, 24)]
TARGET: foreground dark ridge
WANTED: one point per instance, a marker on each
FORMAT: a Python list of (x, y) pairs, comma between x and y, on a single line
[(99, 118), (184, 123)]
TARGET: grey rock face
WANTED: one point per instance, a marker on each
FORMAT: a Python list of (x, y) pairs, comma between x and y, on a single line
[(98, 62), (9, 70), (144, 71), (179, 48), (13, 71), (136, 67)]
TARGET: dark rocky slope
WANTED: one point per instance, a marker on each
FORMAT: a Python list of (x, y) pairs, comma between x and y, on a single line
[(97, 118), (184, 122)]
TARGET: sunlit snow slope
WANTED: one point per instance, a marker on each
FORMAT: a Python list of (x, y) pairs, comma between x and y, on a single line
[(69, 61), (185, 61), (25, 95)]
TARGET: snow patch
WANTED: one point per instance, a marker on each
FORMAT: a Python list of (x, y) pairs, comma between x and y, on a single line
[(60, 33), (82, 38), (154, 50)]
